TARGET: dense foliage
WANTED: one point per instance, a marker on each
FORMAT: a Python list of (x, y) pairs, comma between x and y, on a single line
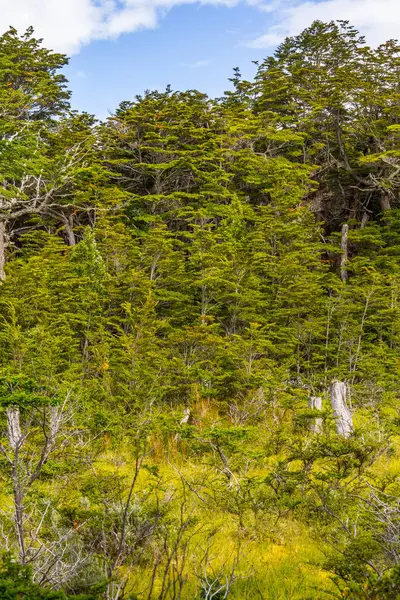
[(183, 289)]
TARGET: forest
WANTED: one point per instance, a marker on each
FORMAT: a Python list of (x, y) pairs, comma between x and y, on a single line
[(200, 331)]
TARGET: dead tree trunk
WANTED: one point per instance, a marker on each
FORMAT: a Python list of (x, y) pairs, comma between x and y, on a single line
[(341, 411), (385, 203), (15, 441), (2, 250), (187, 416), (26, 466), (315, 403), (69, 229), (345, 253), (13, 427)]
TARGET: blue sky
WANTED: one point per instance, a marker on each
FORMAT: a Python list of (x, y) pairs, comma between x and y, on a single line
[(119, 48), (193, 47)]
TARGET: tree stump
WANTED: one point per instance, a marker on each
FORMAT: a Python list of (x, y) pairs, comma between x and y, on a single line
[(341, 411)]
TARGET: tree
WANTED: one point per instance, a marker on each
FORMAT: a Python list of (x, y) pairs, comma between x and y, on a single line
[(320, 84), (33, 94)]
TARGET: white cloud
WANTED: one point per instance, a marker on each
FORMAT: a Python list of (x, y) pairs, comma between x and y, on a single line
[(196, 65), (67, 25), (378, 20)]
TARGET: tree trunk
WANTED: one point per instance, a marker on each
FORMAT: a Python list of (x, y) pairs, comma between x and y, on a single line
[(2, 250), (13, 427), (69, 229), (19, 515), (15, 439), (364, 220), (187, 415), (341, 411), (385, 203), (315, 403), (345, 253)]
